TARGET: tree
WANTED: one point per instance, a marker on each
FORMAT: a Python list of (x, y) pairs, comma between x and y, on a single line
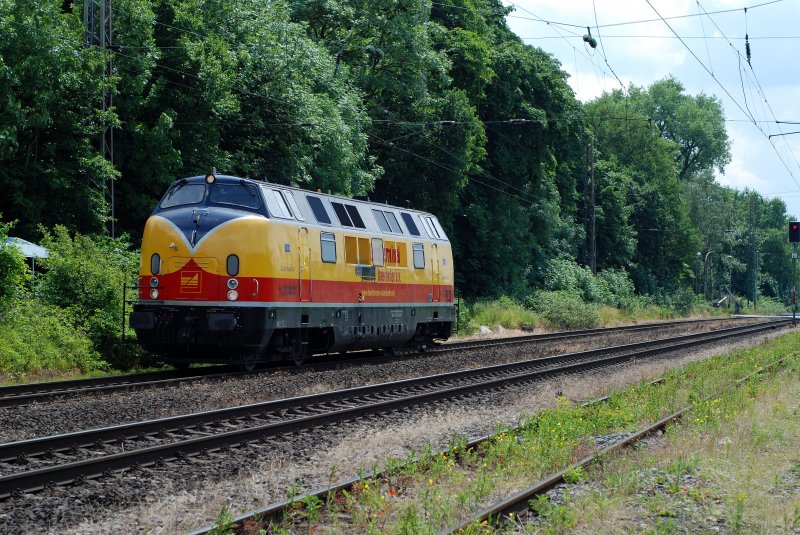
[(695, 123), (50, 169)]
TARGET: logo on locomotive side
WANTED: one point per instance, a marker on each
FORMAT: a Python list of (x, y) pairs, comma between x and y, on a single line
[(190, 282)]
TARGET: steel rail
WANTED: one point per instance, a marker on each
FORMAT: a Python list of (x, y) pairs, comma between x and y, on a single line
[(274, 510), (10, 451), (65, 473), (518, 503), (28, 393)]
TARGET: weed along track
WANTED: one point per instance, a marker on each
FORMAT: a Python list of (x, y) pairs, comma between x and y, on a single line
[(210, 437), (519, 504), (26, 394)]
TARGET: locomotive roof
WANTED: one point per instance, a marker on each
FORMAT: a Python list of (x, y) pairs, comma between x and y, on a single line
[(435, 232)]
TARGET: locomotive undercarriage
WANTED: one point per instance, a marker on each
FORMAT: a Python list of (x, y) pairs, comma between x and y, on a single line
[(247, 336)]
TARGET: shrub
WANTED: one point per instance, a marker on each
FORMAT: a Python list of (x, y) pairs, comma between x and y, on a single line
[(85, 276), (564, 310), (38, 337), (768, 305), (503, 311), (13, 271)]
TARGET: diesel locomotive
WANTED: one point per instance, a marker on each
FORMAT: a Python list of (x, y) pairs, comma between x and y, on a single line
[(241, 271)]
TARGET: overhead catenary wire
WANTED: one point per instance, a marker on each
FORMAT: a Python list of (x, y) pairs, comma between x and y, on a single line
[(643, 21), (721, 85), (764, 96)]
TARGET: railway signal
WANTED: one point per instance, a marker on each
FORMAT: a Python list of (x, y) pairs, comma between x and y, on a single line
[(794, 238)]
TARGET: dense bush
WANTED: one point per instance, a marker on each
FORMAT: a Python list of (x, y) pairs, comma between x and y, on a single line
[(13, 271), (504, 312), (564, 309), (42, 338), (85, 276), (612, 287)]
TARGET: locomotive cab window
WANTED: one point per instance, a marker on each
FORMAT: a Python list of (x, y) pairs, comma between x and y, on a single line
[(432, 228), (328, 247), (243, 195), (419, 256), (182, 193)]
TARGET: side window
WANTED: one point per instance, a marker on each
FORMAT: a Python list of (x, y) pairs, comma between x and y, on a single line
[(402, 258), (381, 219), (438, 228), (277, 204), (395, 226), (377, 251), (357, 250), (355, 217), (341, 213), (419, 256), (410, 225), (293, 205), (364, 252), (328, 246), (319, 210)]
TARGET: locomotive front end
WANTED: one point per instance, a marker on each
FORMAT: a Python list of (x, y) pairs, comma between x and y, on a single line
[(201, 250)]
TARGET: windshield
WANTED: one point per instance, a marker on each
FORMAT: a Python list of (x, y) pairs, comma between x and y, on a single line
[(183, 193), (242, 194)]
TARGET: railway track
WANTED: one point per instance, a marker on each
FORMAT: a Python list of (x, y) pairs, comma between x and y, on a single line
[(26, 394), (34, 464), (519, 502)]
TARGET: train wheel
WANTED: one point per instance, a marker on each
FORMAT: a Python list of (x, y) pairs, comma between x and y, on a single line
[(248, 364)]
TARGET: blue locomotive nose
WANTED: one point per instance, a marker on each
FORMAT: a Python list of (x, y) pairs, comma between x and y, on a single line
[(197, 222)]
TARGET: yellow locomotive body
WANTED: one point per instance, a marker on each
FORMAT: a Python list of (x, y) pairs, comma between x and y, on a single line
[(235, 270)]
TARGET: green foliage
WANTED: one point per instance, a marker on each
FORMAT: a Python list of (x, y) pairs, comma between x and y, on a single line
[(223, 525), (503, 312), (50, 87), (85, 276), (564, 309), (13, 271), (612, 287), (39, 337)]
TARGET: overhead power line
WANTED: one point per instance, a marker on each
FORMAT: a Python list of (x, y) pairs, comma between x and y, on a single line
[(643, 21), (725, 89)]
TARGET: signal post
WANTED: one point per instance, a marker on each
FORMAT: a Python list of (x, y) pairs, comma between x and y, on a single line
[(794, 238)]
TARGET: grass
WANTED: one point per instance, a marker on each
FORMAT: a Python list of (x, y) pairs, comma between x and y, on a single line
[(426, 492), (731, 467)]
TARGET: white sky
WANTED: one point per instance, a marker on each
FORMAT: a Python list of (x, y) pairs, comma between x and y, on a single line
[(646, 52)]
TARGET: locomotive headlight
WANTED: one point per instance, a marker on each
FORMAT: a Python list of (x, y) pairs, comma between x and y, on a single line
[(154, 293), (233, 284), (233, 295), (210, 178), (154, 282)]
